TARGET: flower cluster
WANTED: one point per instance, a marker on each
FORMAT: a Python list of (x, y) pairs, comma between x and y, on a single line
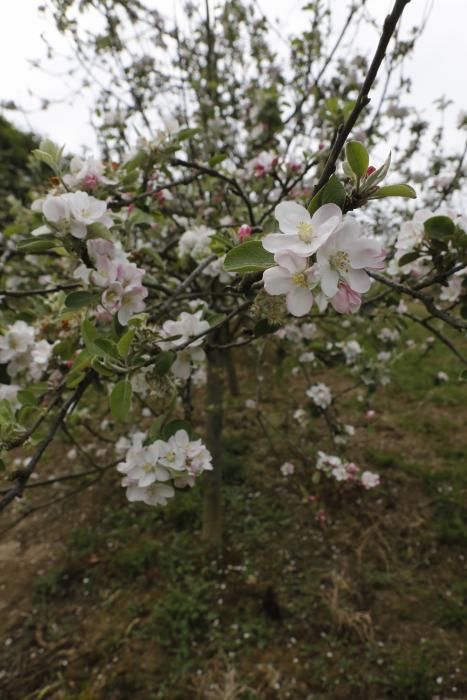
[(262, 164), (195, 243), (152, 471), (181, 332), (334, 467), (121, 280), (71, 213), (87, 174), (321, 395), (22, 352), (319, 259)]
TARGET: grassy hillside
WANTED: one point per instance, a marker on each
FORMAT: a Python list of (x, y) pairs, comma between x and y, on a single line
[(110, 601)]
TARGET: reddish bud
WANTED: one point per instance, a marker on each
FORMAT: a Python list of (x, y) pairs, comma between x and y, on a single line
[(244, 231), (370, 170)]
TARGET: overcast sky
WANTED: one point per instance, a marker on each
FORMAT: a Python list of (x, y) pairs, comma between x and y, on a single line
[(438, 66)]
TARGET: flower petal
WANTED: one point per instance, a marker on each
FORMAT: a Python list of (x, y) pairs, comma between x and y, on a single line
[(274, 242), (326, 219), (299, 301), (366, 252), (329, 280), (358, 280), (291, 261), (277, 280), (289, 215)]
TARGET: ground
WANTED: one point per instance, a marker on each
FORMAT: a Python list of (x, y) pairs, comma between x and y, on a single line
[(102, 600)]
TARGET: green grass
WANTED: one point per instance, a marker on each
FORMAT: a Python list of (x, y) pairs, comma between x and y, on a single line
[(161, 614)]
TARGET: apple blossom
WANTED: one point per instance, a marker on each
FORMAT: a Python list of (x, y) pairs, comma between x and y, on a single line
[(179, 459), (179, 333), (17, 340), (351, 349), (287, 469), (370, 480), (292, 277), (321, 395), (195, 243), (87, 173), (346, 300), (262, 164), (345, 256), (74, 211), (9, 392), (302, 234)]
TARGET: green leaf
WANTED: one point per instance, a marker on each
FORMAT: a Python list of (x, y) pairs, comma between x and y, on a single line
[(120, 400), (263, 327), (64, 348), (184, 134), (106, 347), (333, 192), (6, 412), (98, 230), (357, 157), (439, 227), (248, 257), (164, 362), (123, 345), (174, 425), (102, 369), (154, 432), (27, 398), (217, 158), (76, 300), (38, 245), (408, 258), (82, 360), (401, 190), (379, 174), (89, 332), (49, 153)]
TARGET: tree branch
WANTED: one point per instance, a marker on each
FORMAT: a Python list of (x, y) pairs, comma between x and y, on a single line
[(363, 99)]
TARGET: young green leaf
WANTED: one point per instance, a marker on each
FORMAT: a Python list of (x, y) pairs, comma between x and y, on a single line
[(357, 157), (120, 400), (106, 347), (124, 343), (76, 300), (89, 332), (248, 257), (401, 190), (164, 362), (38, 245), (439, 227)]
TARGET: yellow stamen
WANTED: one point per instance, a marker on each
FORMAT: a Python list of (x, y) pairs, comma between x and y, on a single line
[(299, 279), (305, 231)]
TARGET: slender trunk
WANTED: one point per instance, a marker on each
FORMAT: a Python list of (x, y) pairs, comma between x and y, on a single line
[(231, 370), (212, 481)]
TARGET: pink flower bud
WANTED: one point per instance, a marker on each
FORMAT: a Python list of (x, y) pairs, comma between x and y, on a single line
[(244, 231), (369, 415), (90, 182), (371, 169), (346, 301)]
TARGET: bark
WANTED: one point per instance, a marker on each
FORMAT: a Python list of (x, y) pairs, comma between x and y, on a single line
[(212, 481)]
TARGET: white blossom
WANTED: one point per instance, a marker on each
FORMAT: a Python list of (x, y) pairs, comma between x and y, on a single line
[(320, 394), (302, 234)]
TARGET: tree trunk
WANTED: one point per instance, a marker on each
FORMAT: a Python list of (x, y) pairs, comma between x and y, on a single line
[(232, 378), (212, 480)]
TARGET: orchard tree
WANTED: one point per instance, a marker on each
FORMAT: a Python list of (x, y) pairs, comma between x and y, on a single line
[(251, 210)]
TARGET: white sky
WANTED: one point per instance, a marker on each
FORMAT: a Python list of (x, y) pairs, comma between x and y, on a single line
[(438, 66)]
